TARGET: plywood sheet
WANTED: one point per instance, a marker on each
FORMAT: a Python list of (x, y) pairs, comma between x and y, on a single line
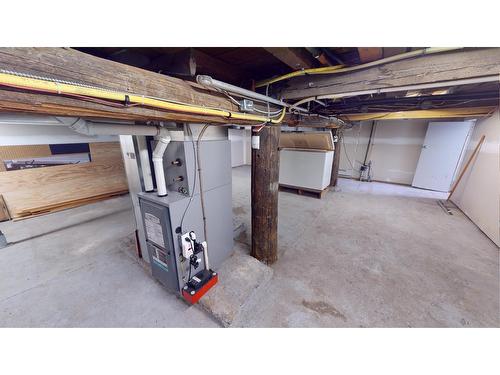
[(40, 189), (4, 213), (20, 152)]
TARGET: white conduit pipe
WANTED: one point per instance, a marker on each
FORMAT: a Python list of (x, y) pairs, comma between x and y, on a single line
[(208, 81), (161, 146), (162, 136)]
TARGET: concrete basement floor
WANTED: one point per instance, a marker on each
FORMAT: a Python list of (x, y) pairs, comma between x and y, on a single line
[(373, 255), (80, 270), (366, 255)]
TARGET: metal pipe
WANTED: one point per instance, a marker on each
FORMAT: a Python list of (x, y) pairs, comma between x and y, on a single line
[(208, 81)]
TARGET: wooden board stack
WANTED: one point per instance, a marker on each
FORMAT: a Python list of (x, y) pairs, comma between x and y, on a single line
[(33, 192)]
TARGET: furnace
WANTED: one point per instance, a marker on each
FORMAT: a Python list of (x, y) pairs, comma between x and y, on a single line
[(187, 236)]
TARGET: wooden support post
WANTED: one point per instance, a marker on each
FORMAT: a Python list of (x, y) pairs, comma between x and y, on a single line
[(265, 183), (336, 159)]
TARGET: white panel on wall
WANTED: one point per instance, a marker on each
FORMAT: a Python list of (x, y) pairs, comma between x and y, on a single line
[(478, 193), (394, 153), (443, 146), (240, 147), (396, 149)]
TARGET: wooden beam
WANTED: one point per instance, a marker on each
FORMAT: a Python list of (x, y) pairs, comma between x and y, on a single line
[(25, 102), (265, 183), (295, 58), (72, 65), (367, 54), (180, 63), (192, 61), (336, 159), (422, 114), (309, 121), (438, 67), (218, 69)]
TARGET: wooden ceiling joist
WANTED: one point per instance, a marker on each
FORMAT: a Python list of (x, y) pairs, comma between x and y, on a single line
[(71, 65), (367, 54), (423, 114), (191, 61), (440, 67), (295, 58)]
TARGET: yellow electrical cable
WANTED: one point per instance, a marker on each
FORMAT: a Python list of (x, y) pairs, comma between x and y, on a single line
[(65, 88), (342, 69), (297, 73)]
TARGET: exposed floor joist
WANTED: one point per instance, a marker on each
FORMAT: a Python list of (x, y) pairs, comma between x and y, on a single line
[(422, 114), (424, 69), (71, 65), (295, 58)]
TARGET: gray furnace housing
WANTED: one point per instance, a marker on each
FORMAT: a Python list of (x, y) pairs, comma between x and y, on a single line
[(162, 216)]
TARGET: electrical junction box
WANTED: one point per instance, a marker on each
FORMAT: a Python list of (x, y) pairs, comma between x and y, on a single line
[(246, 105)]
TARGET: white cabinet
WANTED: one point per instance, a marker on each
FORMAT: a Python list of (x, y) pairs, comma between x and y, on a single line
[(308, 169), (306, 159)]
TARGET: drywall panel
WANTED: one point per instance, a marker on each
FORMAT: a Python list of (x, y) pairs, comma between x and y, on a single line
[(444, 145), (237, 138), (248, 146), (352, 149), (396, 149), (241, 152), (477, 194)]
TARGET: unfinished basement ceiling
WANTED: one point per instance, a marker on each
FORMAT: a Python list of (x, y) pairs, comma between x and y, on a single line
[(250, 63), (243, 66)]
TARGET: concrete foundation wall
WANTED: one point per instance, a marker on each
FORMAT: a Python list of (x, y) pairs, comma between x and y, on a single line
[(478, 193)]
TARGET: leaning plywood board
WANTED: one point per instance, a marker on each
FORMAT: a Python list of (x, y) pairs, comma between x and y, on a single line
[(39, 190), (20, 152)]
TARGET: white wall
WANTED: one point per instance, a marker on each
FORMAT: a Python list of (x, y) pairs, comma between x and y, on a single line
[(394, 153), (25, 134), (478, 193), (240, 147)]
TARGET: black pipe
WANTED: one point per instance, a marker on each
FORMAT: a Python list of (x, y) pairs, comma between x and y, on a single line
[(369, 142)]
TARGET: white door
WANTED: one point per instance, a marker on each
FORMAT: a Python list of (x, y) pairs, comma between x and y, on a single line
[(441, 154)]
